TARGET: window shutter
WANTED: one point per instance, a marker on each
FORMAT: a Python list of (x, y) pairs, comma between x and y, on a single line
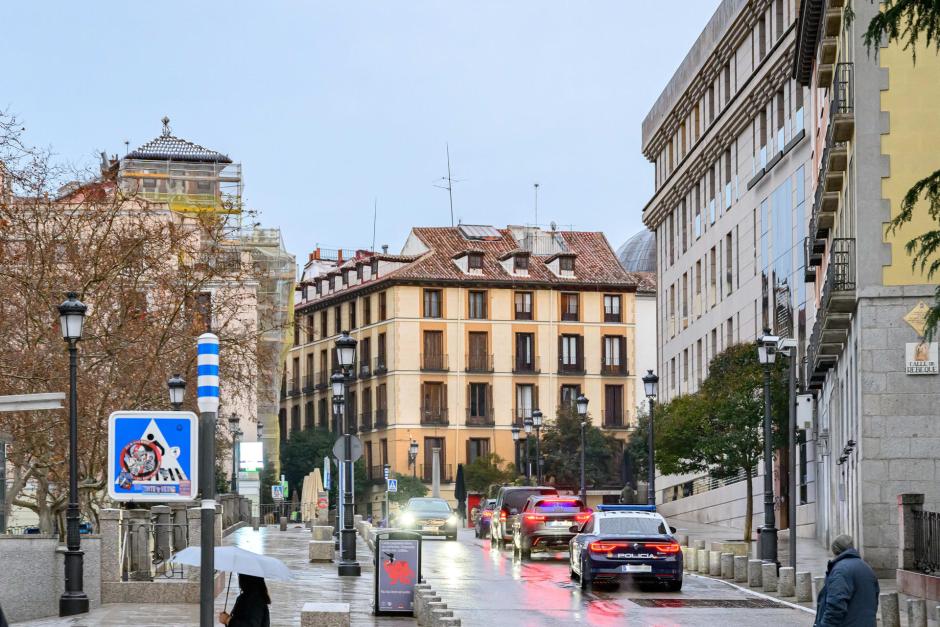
[(469, 399), (560, 352), (490, 413), (580, 344), (623, 355)]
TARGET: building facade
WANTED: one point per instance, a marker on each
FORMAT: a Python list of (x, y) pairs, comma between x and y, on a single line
[(638, 256), (461, 336), (730, 143), (875, 127)]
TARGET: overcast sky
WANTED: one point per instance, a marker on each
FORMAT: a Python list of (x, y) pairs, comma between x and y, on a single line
[(331, 105)]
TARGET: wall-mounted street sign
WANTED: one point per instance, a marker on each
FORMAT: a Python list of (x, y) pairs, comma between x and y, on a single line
[(152, 456), (921, 358)]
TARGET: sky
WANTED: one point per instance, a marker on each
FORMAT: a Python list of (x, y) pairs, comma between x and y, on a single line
[(334, 108)]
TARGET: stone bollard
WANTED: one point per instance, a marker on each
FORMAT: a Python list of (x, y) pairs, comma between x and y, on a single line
[(702, 561), (321, 532), (179, 527), (700, 544), (890, 614), (786, 582), (818, 583), (916, 613), (322, 614), (754, 579), (685, 556), (283, 523), (727, 566), (320, 551), (139, 545), (162, 533), (255, 522), (692, 564), (768, 573), (740, 568), (714, 563), (682, 539), (438, 614), (804, 587)]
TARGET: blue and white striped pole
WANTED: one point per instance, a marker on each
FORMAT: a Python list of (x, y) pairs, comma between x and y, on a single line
[(207, 361)]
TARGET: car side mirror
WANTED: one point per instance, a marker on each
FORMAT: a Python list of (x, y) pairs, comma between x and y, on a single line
[(672, 530), (574, 529)]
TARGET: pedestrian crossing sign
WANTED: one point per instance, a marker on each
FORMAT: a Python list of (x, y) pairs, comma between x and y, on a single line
[(392, 485)]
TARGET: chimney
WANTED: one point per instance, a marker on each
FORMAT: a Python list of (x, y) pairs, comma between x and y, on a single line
[(384, 249), (339, 256)]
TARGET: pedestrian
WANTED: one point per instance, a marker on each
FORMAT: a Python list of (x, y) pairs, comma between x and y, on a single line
[(850, 594), (3, 620), (251, 606)]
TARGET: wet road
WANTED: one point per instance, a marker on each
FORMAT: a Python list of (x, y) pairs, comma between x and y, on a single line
[(485, 586)]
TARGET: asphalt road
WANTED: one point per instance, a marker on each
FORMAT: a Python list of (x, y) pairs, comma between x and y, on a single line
[(484, 586)]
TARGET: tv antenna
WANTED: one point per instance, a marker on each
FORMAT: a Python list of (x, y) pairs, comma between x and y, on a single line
[(536, 186), (449, 186), (375, 213)]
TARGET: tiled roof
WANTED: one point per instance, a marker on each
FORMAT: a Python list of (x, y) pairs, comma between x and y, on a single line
[(168, 147)]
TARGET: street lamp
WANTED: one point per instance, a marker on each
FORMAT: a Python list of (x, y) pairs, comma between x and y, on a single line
[(233, 427), (527, 425), (650, 385), (515, 442), (346, 356), (177, 388), (537, 423), (73, 600), (582, 405), (767, 353), (338, 385), (413, 458)]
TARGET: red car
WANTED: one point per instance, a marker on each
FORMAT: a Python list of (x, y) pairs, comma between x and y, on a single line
[(545, 524)]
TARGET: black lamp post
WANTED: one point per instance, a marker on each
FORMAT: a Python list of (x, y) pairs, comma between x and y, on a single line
[(537, 423), (527, 426), (582, 405), (413, 458), (233, 426), (348, 566), (650, 385), (767, 354), (176, 385), (73, 600)]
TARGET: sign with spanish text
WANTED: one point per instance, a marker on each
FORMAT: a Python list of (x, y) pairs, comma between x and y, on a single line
[(398, 572), (921, 358), (152, 456)]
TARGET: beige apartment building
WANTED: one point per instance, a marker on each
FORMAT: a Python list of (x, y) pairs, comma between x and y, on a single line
[(460, 336), (729, 140)]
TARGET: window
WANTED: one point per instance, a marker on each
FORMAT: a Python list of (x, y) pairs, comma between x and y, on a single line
[(685, 229), (308, 328), (296, 332), (729, 332), (367, 311), (525, 352), (380, 360), (477, 305), (685, 364), (383, 312), (612, 308), (711, 103), (569, 353), (477, 447), (712, 276), (778, 18), (309, 419), (475, 261), (566, 264), (670, 236), (324, 327), (614, 357), (613, 406), (430, 444), (434, 403), (523, 305), (359, 271), (569, 394), (383, 451), (727, 81), (324, 422), (433, 358), (698, 363), (525, 395), (375, 268), (698, 212), (365, 356), (569, 307), (432, 303), (477, 403), (478, 357), (381, 407), (729, 252), (352, 315), (338, 319), (294, 419), (520, 263)]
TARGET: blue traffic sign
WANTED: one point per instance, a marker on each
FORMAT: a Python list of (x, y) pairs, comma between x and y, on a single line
[(152, 456), (393, 485)]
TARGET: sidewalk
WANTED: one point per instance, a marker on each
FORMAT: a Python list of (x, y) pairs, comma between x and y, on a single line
[(317, 582)]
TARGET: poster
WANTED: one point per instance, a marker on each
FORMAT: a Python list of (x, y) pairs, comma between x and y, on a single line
[(152, 456), (398, 575)]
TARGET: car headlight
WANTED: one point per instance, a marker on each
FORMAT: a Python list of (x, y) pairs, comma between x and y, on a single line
[(407, 519), (452, 520)]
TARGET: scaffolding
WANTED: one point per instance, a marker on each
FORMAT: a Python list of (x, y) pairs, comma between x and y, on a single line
[(186, 186)]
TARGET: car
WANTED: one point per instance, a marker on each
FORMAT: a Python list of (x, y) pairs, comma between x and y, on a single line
[(626, 541), (545, 524), (429, 517), (509, 502), (481, 527)]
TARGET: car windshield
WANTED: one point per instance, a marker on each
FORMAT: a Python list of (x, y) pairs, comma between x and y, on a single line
[(517, 498), (490, 504), (558, 506), (436, 507), (626, 525)]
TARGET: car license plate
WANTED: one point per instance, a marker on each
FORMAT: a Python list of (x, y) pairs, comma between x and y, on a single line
[(558, 523), (636, 568), (428, 528)]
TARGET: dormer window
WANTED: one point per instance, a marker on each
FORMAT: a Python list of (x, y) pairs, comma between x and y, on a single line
[(332, 283), (475, 261), (520, 263), (359, 271), (375, 268), (566, 264)]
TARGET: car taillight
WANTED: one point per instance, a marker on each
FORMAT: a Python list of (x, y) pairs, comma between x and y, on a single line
[(502, 516), (487, 514), (533, 518), (668, 547), (605, 547), (583, 517)]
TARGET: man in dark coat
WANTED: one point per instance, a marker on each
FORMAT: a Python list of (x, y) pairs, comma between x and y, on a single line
[(850, 595)]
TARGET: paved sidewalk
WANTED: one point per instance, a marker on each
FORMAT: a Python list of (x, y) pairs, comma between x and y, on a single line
[(312, 582)]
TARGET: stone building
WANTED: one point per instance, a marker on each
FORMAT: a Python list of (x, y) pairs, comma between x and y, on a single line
[(874, 127), (638, 256)]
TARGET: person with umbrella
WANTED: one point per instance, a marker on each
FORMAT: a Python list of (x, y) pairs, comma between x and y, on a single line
[(251, 606), (460, 493)]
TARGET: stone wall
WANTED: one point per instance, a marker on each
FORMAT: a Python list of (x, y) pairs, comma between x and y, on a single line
[(32, 576)]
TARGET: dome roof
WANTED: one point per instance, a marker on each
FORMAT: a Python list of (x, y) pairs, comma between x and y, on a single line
[(638, 254)]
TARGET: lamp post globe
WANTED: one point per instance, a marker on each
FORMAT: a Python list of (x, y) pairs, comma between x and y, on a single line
[(527, 424), (176, 386), (72, 317), (537, 418), (767, 348), (650, 384), (413, 457), (345, 350), (515, 434), (338, 384), (582, 405)]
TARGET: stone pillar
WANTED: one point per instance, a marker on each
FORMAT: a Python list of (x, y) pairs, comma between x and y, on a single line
[(818, 583), (244, 508), (179, 527), (754, 578), (916, 613), (692, 564), (727, 566), (161, 519), (740, 568), (890, 615), (703, 561), (283, 523), (768, 573), (907, 505), (786, 583), (700, 544), (804, 587), (194, 519), (714, 563), (139, 541), (109, 522)]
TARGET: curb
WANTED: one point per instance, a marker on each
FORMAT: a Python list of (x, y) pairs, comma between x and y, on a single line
[(755, 593)]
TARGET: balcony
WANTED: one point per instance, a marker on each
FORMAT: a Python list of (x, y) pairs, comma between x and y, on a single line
[(381, 418), (365, 369), (293, 387), (812, 257), (521, 365), (569, 316), (575, 369), (832, 23), (837, 305), (377, 474), (323, 380), (612, 316), (309, 383), (479, 363), (351, 426), (432, 362), (434, 416), (380, 366), (487, 420), (365, 421), (426, 470), (614, 419), (614, 370), (519, 414), (842, 110)]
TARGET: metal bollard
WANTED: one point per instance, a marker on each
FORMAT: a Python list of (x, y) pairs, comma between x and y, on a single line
[(740, 568), (703, 561), (890, 614), (727, 565), (916, 613), (804, 587), (768, 573), (754, 579), (786, 582)]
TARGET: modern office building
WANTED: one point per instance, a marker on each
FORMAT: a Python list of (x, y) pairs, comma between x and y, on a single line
[(461, 336), (730, 141), (874, 126)]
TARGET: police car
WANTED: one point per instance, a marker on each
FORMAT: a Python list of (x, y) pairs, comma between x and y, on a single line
[(626, 541)]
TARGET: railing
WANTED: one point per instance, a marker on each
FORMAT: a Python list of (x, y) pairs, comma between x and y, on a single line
[(613, 419), (293, 388), (377, 474), (613, 316), (380, 365), (365, 368), (486, 420), (425, 471), (434, 415), (569, 316), (519, 414), (323, 380), (575, 368), (479, 363), (614, 370), (523, 315), (308, 383), (146, 547), (272, 512), (365, 421), (843, 96), (840, 275), (381, 418), (926, 541), (434, 362), (521, 365)]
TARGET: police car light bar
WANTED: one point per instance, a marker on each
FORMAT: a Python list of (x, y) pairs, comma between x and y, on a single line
[(626, 508)]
